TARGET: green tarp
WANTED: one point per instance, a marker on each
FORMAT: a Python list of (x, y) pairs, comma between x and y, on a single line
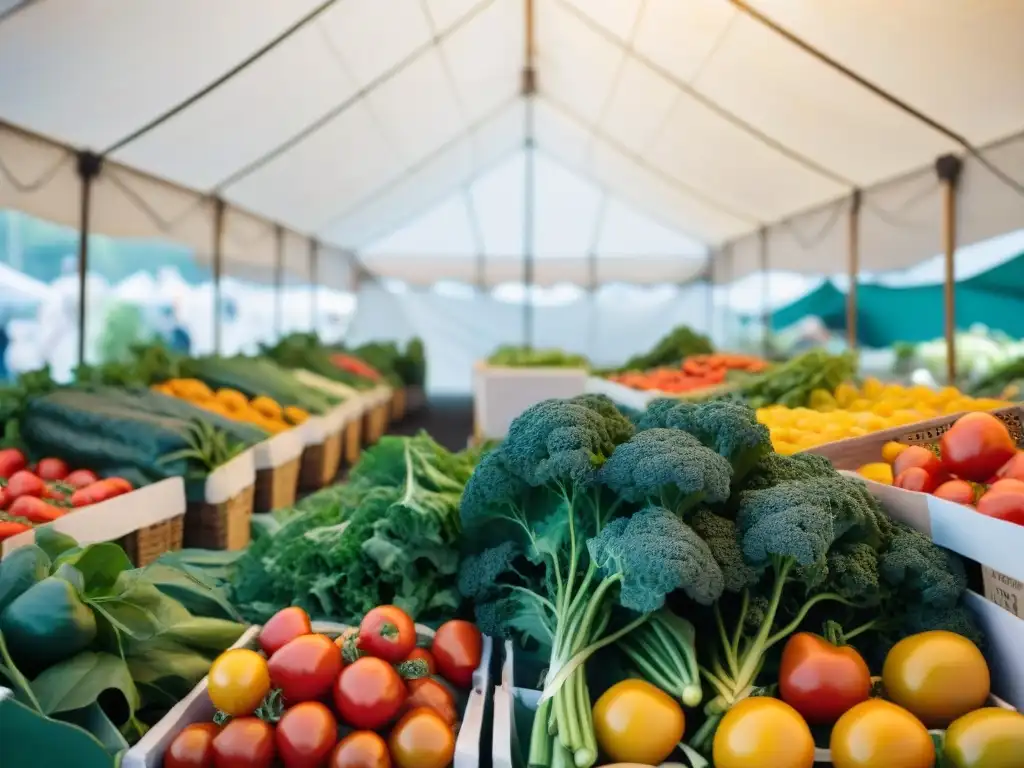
[(886, 315)]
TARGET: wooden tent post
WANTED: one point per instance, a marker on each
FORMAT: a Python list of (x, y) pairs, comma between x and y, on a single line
[(853, 255), (88, 167), (529, 90), (948, 168), (278, 280), (766, 313), (218, 270)]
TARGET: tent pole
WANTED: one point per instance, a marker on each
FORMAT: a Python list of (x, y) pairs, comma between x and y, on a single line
[(278, 279), (89, 167), (218, 268), (853, 269), (314, 280), (948, 169), (529, 90), (766, 315)]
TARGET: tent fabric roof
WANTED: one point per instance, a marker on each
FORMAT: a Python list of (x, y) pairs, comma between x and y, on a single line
[(704, 116)]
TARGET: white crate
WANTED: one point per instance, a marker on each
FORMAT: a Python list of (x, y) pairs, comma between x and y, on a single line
[(196, 707), (501, 394)]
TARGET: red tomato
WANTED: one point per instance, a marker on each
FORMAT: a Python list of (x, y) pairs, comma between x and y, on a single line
[(976, 447), (959, 491), (1007, 484), (119, 485), (388, 633), (11, 461), (820, 680), (361, 749), (915, 479), (431, 694), (421, 739), (1013, 468), (369, 693), (246, 742), (917, 456), (52, 469), (305, 735), (24, 483), (81, 478), (192, 748), (283, 627), (1003, 505), (101, 490), (306, 668), (457, 648), (4, 497), (422, 654), (35, 510)]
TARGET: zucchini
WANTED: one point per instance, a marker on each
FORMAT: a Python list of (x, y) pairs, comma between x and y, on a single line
[(165, 405)]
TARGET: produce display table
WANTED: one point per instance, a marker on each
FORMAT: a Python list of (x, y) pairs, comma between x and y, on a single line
[(148, 522)]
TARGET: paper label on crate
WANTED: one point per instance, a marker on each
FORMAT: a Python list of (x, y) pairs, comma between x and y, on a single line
[(1005, 591), (930, 432)]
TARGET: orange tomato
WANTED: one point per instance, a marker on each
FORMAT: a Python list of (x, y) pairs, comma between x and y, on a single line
[(878, 733)]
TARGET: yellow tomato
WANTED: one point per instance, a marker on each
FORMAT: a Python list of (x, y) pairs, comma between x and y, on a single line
[(891, 450), (238, 681), (877, 733), (860, 404), (637, 723), (986, 738), (822, 400), (938, 676), (846, 394), (872, 388), (879, 471), (761, 731)]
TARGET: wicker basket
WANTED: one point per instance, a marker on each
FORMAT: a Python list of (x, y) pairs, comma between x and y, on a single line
[(220, 526), (398, 405), (375, 423), (145, 545), (320, 463), (277, 487), (353, 441)]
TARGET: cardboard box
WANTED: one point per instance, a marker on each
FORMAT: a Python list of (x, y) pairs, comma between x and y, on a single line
[(154, 510), (996, 544), (196, 707), (501, 394)]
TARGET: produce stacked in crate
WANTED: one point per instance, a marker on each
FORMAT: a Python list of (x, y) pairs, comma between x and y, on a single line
[(850, 411), (285, 700), (678, 551), (695, 374), (261, 411)]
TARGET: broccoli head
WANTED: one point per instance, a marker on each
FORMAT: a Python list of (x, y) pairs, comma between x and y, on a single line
[(667, 467), (620, 428), (654, 553), (730, 429), (721, 537), (921, 571), (774, 468), (557, 442), (785, 521), (853, 573)]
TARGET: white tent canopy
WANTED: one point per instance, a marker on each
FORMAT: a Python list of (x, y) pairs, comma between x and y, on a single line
[(701, 114)]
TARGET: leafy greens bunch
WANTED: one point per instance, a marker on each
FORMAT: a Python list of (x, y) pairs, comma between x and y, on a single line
[(583, 525), (388, 535)]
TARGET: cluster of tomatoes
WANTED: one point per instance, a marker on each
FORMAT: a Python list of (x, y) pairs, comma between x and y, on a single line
[(937, 680), (40, 494), (287, 704), (977, 464)]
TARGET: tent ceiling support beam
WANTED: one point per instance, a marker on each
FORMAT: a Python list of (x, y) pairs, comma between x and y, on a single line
[(680, 186), (181, 106), (880, 92), (948, 168), (853, 268), (336, 111), (683, 87), (419, 165), (278, 279), (14, 10), (218, 270), (89, 166)]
